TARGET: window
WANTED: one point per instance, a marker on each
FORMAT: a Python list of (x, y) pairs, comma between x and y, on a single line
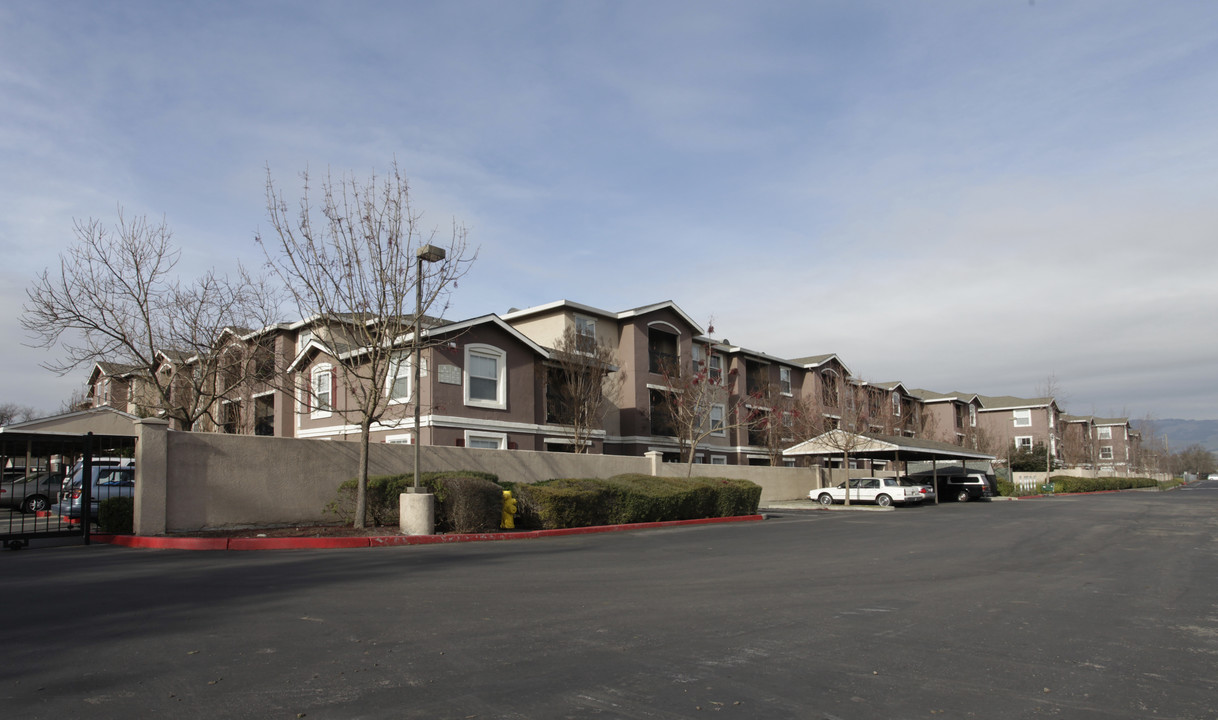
[(662, 351), (972, 416), (321, 391), (1024, 443), (698, 354), (485, 376), (784, 380), (397, 385), (716, 367), (485, 441), (716, 421), (661, 413), (1105, 433), (1105, 452), (1023, 418), (718, 460), (230, 417), (828, 388), (896, 404), (585, 333), (264, 414)]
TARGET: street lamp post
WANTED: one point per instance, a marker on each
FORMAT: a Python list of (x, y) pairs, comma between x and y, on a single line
[(417, 506)]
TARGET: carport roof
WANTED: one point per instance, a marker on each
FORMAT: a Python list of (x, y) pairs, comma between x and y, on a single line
[(882, 447)]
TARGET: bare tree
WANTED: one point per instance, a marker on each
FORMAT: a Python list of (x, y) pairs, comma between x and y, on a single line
[(13, 412), (115, 297), (783, 420), (582, 380), (696, 405), (350, 262)]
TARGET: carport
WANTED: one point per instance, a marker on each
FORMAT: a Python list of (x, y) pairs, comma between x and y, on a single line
[(870, 446), (58, 442)]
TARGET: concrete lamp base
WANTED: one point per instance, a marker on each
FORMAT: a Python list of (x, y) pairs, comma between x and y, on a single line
[(417, 512)]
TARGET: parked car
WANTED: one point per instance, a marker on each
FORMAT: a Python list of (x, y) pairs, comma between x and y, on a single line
[(31, 495), (881, 491), (927, 490), (108, 481), (963, 488), (97, 461)]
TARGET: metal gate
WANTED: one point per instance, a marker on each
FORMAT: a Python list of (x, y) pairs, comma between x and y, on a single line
[(38, 495)]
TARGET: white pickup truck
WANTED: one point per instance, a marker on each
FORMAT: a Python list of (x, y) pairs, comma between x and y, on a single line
[(881, 491)]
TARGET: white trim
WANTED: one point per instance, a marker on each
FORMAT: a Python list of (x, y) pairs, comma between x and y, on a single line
[(318, 410), (500, 438), (1016, 417), (710, 417), (499, 356), (399, 362), (662, 324)]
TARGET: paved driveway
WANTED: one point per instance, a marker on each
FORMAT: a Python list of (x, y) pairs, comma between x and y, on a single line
[(1092, 607)]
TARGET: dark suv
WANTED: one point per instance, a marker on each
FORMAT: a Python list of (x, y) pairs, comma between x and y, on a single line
[(963, 488)]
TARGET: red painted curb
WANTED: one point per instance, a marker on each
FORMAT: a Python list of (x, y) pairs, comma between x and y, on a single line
[(199, 543)]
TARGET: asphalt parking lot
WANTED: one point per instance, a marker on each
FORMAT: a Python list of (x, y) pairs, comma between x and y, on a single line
[(1100, 606)]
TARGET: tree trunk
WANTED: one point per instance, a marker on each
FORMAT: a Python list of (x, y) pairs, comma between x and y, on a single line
[(361, 486), (846, 467)]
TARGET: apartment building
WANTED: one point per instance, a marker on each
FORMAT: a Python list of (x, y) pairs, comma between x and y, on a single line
[(1096, 443), (1021, 422)]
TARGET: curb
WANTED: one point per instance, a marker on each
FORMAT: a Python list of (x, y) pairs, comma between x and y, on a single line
[(306, 543)]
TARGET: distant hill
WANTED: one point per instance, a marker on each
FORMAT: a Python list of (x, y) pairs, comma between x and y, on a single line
[(1182, 433)]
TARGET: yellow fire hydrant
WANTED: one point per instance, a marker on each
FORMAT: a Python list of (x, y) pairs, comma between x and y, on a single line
[(508, 521)]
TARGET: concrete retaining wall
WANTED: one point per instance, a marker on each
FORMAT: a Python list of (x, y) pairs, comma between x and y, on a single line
[(193, 481)]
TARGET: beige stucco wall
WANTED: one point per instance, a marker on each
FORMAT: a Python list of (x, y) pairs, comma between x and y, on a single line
[(215, 480)]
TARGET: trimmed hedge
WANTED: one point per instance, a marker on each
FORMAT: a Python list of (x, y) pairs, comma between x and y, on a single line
[(466, 501), (1070, 484), (625, 499), (117, 515)]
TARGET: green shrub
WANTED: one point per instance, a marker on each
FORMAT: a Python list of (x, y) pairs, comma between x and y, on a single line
[(384, 491), (117, 515), (469, 505), (1006, 488), (625, 499), (1070, 484)]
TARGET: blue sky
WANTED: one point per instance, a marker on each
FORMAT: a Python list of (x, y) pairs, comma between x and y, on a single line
[(959, 195)]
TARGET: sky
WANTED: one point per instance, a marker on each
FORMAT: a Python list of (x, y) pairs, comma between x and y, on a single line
[(959, 195)]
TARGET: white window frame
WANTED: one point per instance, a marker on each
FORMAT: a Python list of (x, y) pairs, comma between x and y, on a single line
[(317, 408), (718, 460), (972, 415), (500, 358), (404, 439), (896, 404), (500, 439), (721, 430), (1110, 455), (1105, 433), (1019, 442), (1021, 418), (784, 380), (715, 374), (400, 367)]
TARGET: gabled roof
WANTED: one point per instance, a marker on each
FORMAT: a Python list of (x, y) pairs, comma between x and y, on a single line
[(1007, 402), (814, 361), (930, 396), (516, 314), (437, 331), (116, 370)]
